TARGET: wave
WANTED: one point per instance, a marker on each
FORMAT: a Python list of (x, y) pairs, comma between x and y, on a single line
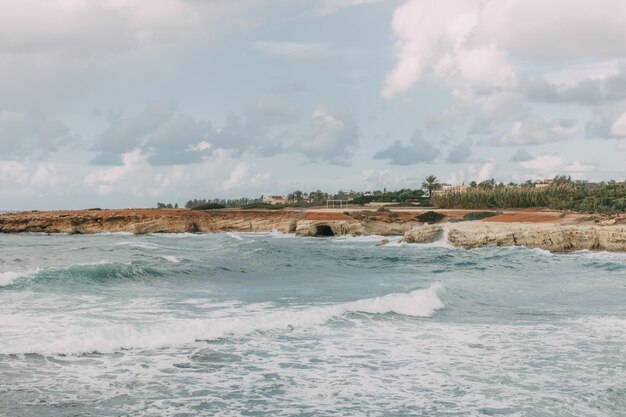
[(101, 271), (92, 337), (9, 277)]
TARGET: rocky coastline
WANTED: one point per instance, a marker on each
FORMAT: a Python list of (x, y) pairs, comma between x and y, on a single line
[(554, 232)]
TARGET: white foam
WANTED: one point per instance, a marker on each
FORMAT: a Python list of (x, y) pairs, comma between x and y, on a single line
[(419, 303), (171, 259), (9, 277), (142, 245), (73, 335), (441, 241), (602, 255), (234, 236), (365, 238)]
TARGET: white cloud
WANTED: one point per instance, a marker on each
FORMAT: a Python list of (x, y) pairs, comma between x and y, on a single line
[(33, 176), (332, 138), (105, 180), (485, 172), (490, 54), (241, 177), (544, 164), (537, 132), (579, 167), (619, 126), (86, 28), (473, 39)]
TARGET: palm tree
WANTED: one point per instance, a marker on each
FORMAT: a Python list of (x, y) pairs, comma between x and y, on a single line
[(431, 183)]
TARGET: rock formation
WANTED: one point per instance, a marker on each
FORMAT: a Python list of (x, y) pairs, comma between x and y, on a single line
[(551, 237)]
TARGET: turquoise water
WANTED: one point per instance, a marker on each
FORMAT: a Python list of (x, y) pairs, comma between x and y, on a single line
[(273, 325)]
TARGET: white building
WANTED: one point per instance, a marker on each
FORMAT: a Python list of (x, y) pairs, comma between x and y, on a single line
[(275, 199)]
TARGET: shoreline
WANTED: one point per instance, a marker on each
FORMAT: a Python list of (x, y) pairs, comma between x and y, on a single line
[(548, 230)]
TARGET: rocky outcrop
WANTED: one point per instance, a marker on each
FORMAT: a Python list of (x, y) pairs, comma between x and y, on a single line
[(141, 221), (329, 228), (423, 234), (547, 236)]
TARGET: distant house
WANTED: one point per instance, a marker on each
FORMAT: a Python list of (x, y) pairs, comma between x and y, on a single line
[(275, 199), (543, 183), (448, 188)]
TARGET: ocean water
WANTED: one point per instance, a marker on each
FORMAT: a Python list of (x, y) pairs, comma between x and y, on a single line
[(274, 325)]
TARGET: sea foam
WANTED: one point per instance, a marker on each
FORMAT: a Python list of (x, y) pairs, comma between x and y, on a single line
[(75, 335), (9, 277)]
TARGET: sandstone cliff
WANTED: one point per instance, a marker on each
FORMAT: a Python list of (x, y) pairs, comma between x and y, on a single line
[(556, 237), (142, 221), (551, 237)]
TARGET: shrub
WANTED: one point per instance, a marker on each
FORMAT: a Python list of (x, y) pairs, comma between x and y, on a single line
[(480, 215), (430, 217), (262, 206), (209, 206)]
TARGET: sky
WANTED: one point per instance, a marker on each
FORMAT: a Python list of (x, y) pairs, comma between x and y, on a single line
[(125, 103)]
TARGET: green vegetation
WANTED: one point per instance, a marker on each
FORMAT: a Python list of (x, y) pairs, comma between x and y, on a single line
[(430, 217), (209, 206), (192, 204), (561, 194), (404, 196), (264, 206), (431, 183), (166, 206), (480, 215)]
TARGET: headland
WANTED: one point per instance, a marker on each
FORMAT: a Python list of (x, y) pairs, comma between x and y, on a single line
[(550, 230)]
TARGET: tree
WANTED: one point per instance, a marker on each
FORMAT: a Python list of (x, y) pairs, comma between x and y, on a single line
[(431, 183), (487, 184)]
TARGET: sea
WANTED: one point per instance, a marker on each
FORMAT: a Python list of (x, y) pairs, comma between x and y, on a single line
[(236, 324)]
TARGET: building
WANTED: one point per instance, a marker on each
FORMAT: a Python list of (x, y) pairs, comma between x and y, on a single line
[(543, 183), (447, 188), (275, 199)]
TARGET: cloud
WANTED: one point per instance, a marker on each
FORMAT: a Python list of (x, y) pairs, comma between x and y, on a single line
[(594, 89), (417, 150), (607, 124), (537, 132), (435, 36), (31, 175), (544, 164), (25, 134), (474, 40), (521, 155), (618, 129), (332, 138), (166, 138), (241, 177), (459, 153), (105, 180), (579, 167), (82, 28), (490, 55)]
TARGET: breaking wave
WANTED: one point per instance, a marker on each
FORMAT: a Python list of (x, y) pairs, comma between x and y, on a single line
[(110, 337)]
